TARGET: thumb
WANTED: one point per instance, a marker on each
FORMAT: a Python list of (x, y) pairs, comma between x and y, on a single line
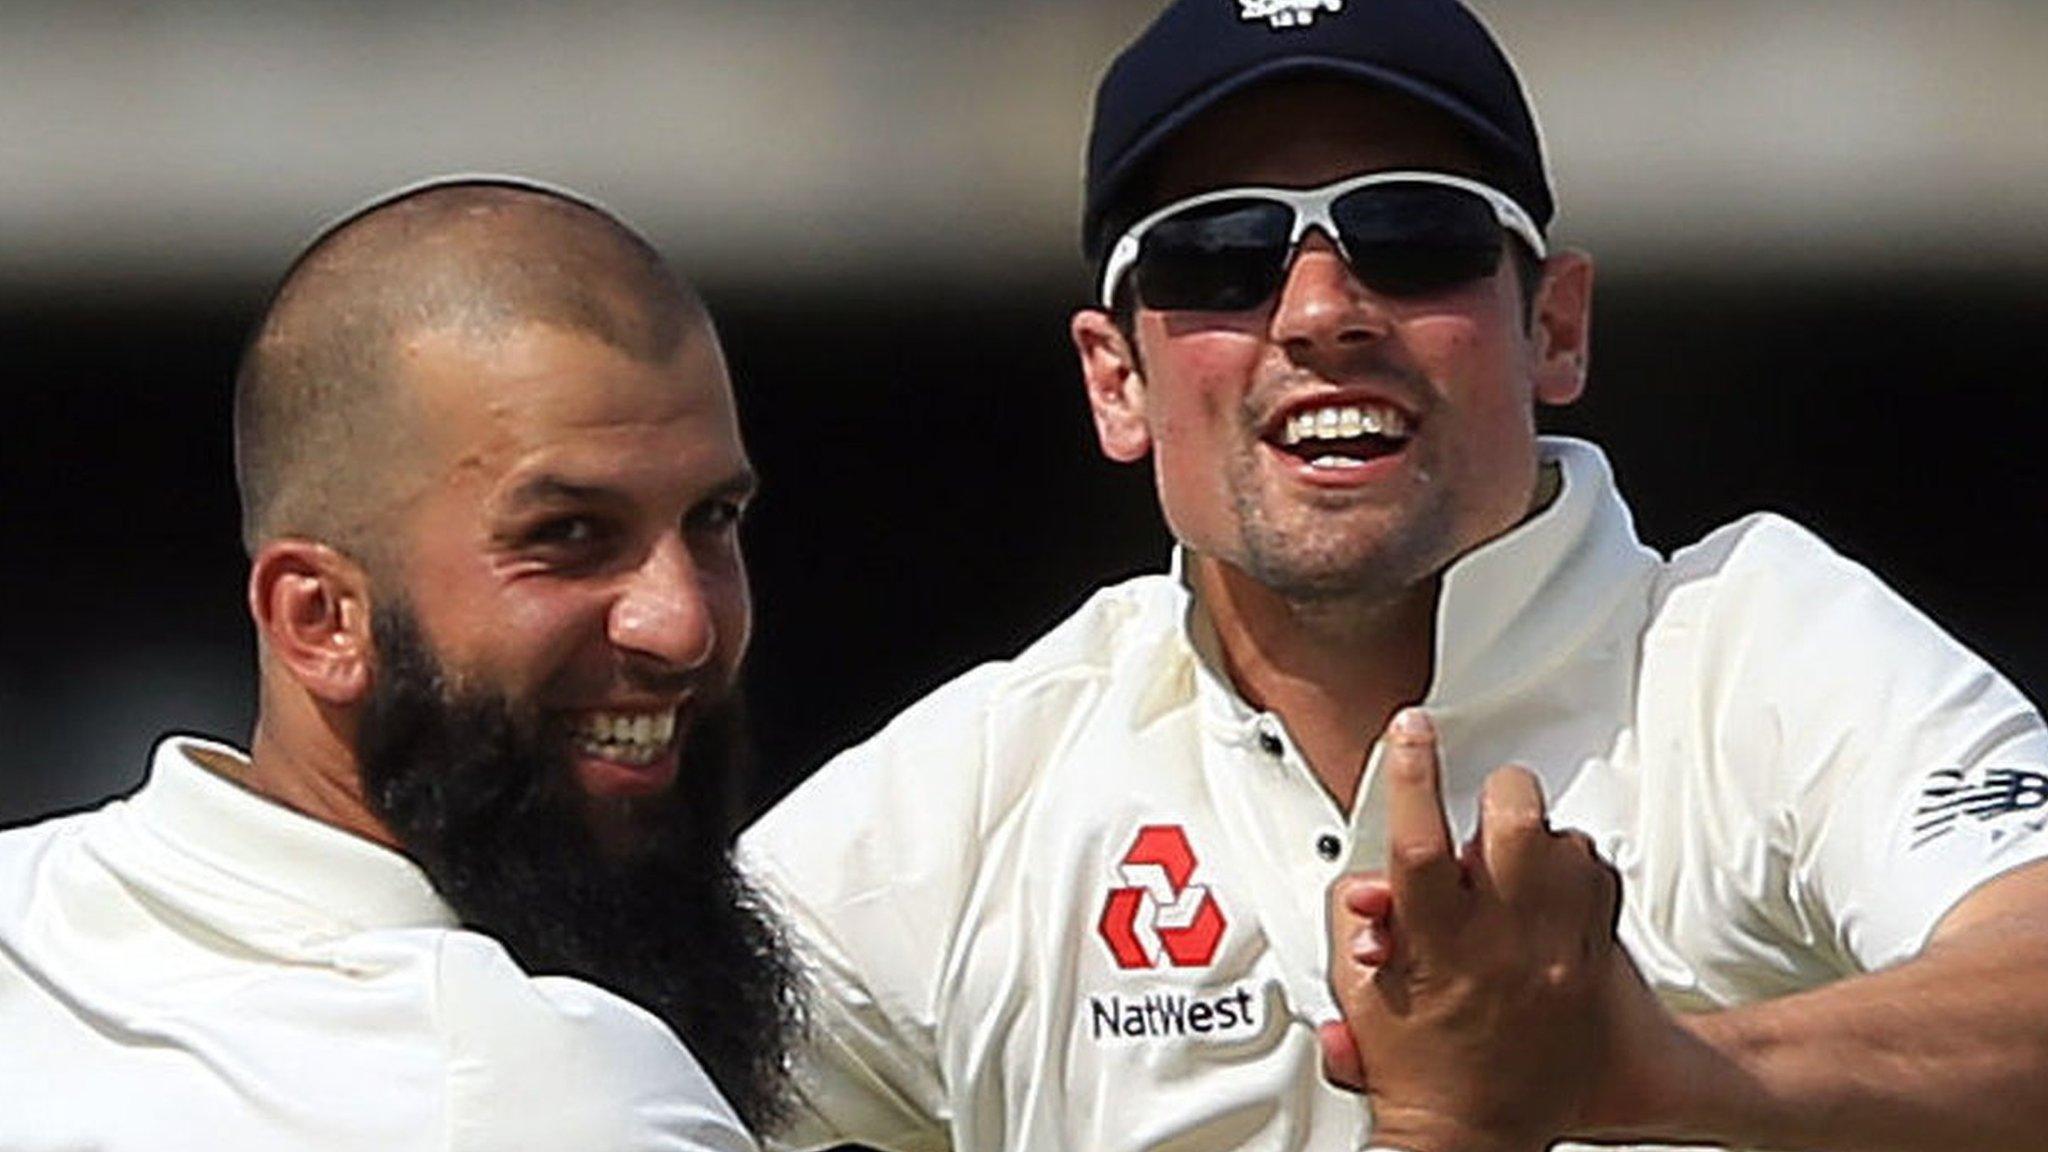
[(1361, 920), (1342, 1065)]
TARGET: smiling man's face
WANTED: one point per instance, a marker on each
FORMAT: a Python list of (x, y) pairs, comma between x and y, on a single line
[(571, 544), (1245, 414)]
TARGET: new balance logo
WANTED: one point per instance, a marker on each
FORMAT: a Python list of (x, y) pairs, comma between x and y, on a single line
[(1980, 798)]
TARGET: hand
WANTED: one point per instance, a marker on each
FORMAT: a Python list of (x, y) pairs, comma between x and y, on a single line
[(1486, 1000)]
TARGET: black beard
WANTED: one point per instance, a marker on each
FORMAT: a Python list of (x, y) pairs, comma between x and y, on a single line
[(483, 799)]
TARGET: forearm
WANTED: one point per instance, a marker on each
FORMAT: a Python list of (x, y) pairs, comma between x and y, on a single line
[(1947, 1051)]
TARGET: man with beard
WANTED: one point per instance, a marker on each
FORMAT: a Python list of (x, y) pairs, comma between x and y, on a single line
[(470, 882), (1076, 899)]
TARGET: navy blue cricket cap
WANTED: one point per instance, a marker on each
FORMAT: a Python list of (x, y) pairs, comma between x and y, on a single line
[(1198, 52)]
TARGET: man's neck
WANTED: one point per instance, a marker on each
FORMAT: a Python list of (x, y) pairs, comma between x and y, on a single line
[(308, 768), (1335, 670)]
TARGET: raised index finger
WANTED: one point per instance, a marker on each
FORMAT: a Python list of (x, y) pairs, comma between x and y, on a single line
[(1422, 866)]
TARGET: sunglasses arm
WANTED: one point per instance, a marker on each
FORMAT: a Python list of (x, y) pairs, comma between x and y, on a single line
[(1120, 260)]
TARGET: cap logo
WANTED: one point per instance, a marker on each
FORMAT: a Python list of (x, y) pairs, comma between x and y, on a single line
[(1280, 14)]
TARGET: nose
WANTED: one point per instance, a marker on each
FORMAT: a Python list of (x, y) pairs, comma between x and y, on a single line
[(664, 614), (1322, 306)]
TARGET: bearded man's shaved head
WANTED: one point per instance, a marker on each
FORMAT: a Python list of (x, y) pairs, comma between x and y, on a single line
[(316, 427)]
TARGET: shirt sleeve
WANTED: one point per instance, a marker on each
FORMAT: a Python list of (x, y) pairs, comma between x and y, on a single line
[(552, 1064), (1906, 770), (869, 863)]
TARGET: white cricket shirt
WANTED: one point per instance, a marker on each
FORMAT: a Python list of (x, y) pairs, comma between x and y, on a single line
[(1075, 900), (199, 968)]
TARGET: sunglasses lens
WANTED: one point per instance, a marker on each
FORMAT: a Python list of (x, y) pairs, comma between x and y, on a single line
[(1415, 239), (1227, 256), (1402, 239)]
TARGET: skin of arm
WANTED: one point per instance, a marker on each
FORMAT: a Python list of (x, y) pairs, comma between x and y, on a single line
[(1947, 1050)]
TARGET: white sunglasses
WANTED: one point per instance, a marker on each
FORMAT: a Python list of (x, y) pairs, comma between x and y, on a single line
[(1402, 233)]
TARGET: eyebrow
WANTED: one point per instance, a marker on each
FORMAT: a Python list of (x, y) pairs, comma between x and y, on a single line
[(551, 489), (743, 484), (548, 488)]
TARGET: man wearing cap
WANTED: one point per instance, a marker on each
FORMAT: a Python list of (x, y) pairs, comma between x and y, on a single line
[(468, 887), (1075, 899)]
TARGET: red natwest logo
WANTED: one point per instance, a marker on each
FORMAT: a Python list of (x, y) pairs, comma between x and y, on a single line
[(1158, 917)]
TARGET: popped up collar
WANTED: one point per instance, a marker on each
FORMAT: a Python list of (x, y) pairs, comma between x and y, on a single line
[(1516, 604), (1507, 609), (279, 850)]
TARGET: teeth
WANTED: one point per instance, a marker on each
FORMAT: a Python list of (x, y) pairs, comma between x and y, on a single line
[(620, 753), (1345, 423), (626, 737)]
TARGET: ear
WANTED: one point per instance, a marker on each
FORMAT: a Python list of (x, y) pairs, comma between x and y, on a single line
[(1116, 387), (1562, 335), (311, 606)]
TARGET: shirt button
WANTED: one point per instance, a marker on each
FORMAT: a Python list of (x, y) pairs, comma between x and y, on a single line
[(1269, 741), (1328, 846)]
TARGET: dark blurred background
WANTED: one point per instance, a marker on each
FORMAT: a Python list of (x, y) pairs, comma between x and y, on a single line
[(1824, 253)]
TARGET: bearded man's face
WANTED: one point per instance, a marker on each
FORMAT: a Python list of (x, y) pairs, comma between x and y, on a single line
[(635, 893)]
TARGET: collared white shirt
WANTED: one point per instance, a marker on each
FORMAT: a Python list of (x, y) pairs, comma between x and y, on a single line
[(1075, 899), (196, 967)]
